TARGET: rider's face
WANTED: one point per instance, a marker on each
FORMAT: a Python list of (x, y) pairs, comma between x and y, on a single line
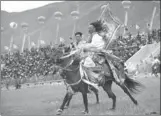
[(78, 37), (91, 29)]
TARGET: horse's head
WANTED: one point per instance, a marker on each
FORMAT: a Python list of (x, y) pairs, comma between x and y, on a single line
[(64, 60), (68, 65), (59, 60)]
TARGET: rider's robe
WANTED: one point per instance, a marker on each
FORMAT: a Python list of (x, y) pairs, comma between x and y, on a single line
[(95, 62)]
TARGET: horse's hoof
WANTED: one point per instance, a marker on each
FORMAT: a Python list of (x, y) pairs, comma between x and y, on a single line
[(59, 112), (135, 102), (97, 102), (85, 112), (111, 109), (66, 107)]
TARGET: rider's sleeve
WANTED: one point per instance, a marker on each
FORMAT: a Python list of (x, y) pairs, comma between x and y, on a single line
[(97, 42), (81, 44)]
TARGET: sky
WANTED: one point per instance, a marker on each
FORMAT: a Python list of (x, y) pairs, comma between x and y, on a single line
[(19, 6)]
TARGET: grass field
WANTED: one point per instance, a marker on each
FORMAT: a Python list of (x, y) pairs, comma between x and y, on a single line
[(45, 100)]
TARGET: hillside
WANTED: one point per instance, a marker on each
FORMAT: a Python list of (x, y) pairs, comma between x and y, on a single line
[(139, 13)]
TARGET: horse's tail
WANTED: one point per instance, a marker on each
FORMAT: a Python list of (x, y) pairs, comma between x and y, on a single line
[(133, 85)]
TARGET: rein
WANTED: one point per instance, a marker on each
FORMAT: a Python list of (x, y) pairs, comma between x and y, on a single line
[(72, 84), (66, 67)]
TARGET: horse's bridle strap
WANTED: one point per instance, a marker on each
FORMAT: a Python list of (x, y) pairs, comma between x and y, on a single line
[(76, 83)]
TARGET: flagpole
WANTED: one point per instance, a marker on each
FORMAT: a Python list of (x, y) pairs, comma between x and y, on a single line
[(74, 29), (126, 20), (75, 16), (58, 16), (23, 42), (57, 32), (28, 42), (11, 43), (126, 4), (41, 20), (25, 31), (13, 25), (38, 42), (152, 18)]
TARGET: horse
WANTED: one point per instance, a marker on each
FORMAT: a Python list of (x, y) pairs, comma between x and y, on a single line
[(67, 51), (70, 71)]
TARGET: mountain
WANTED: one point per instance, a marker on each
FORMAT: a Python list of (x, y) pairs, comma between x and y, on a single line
[(140, 13)]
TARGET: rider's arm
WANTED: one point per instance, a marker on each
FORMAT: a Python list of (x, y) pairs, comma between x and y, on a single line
[(97, 43)]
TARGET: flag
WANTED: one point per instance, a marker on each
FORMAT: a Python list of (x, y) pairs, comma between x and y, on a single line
[(62, 40), (6, 47), (42, 42), (15, 46), (111, 24), (137, 27), (33, 44)]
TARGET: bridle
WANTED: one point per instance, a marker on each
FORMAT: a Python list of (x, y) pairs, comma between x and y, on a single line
[(66, 69)]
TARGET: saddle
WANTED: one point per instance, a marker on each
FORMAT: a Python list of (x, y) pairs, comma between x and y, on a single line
[(97, 73)]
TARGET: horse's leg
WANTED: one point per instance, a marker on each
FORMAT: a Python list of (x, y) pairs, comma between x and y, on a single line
[(66, 98), (60, 110), (125, 89), (107, 88), (84, 91), (68, 102), (85, 100), (96, 94)]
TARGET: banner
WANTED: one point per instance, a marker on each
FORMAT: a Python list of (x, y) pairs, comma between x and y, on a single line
[(15, 46), (111, 24), (137, 27), (42, 42)]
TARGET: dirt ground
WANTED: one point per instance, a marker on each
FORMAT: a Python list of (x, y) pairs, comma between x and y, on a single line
[(45, 100)]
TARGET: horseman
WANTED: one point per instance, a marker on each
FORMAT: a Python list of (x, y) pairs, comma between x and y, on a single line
[(88, 66), (79, 39), (92, 59), (155, 66)]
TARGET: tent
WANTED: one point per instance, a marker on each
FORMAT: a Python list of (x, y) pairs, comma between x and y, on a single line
[(147, 51)]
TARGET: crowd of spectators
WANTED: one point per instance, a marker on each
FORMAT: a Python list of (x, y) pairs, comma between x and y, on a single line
[(125, 47), (29, 63), (40, 61)]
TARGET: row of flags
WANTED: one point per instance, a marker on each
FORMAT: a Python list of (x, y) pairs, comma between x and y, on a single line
[(42, 42), (14, 47), (137, 27), (113, 24)]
